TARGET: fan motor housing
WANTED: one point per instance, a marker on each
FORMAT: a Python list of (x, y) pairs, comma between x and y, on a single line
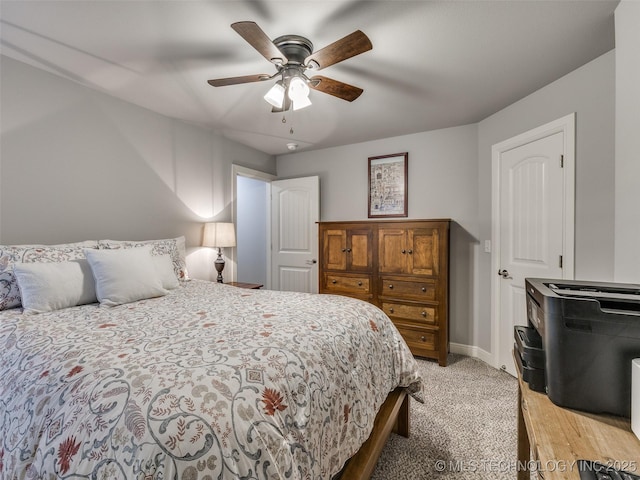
[(294, 47)]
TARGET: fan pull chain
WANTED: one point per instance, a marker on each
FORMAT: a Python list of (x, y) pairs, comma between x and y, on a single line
[(284, 120), (292, 119)]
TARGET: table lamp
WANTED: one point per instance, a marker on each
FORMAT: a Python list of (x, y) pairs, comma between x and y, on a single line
[(219, 235)]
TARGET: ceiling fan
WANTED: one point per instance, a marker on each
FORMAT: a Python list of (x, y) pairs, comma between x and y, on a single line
[(293, 56)]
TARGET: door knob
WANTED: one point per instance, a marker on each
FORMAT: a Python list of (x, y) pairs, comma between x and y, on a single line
[(311, 262), (504, 273)]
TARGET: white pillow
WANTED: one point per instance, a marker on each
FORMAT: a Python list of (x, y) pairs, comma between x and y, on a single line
[(12, 254), (164, 267), (125, 275), (51, 286), (175, 247)]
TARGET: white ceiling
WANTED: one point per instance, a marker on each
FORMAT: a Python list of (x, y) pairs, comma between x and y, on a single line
[(434, 64)]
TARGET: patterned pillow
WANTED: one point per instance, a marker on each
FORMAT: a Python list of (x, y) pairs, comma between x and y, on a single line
[(174, 247), (12, 254)]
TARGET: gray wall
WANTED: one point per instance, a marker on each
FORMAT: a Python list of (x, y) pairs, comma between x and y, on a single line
[(627, 256), (450, 176), (443, 172), (76, 164), (590, 92)]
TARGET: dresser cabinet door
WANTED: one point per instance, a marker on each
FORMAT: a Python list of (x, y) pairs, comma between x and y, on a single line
[(334, 249), (347, 249), (414, 251), (392, 250), (423, 251), (360, 250)]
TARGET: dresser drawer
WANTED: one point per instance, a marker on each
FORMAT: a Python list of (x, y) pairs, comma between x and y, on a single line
[(421, 314), (415, 289), (350, 284), (420, 342)]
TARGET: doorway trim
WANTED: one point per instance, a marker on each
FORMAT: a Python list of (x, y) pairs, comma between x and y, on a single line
[(566, 125), (240, 171)]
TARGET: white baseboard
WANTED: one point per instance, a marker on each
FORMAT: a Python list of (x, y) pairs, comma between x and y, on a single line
[(471, 351)]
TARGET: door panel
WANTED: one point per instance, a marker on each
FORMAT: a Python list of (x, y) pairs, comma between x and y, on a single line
[(294, 279), (391, 243), (359, 249), (295, 212), (335, 248), (423, 251), (531, 228)]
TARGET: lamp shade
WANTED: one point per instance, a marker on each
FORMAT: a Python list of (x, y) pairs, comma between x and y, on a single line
[(275, 96), (298, 90), (219, 234)]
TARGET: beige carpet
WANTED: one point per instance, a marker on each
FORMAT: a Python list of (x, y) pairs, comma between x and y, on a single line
[(466, 429)]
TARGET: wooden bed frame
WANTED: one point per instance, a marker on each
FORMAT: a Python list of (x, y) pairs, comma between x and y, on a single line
[(392, 417)]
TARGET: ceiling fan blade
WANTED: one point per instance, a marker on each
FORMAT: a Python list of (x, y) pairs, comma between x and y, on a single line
[(223, 82), (334, 87), (259, 40), (347, 47)]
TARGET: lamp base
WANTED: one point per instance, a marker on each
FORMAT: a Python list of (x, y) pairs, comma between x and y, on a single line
[(219, 264)]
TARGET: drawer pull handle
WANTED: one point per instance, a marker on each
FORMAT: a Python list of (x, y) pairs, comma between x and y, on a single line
[(391, 310), (424, 314), (334, 281), (424, 289), (390, 286), (423, 338), (404, 251), (359, 284), (348, 250), (344, 249), (410, 252)]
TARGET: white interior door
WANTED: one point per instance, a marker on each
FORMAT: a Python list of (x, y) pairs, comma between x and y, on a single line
[(295, 211), (532, 229)]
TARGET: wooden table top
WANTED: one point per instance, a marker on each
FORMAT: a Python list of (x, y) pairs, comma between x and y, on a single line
[(562, 436)]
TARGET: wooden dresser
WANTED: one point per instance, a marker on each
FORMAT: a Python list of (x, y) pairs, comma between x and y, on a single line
[(402, 266)]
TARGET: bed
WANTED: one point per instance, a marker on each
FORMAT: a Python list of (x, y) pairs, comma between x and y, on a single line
[(205, 381)]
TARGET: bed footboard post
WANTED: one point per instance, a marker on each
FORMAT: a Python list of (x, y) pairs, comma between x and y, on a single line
[(392, 416), (403, 425)]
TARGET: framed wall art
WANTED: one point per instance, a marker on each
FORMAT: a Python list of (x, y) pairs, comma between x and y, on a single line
[(388, 185)]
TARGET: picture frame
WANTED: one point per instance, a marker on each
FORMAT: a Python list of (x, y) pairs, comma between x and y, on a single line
[(388, 185)]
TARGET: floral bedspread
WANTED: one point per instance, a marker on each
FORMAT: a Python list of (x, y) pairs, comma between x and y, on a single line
[(208, 382)]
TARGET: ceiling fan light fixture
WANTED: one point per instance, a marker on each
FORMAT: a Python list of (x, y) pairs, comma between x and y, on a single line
[(275, 96), (298, 90), (301, 103), (292, 55)]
